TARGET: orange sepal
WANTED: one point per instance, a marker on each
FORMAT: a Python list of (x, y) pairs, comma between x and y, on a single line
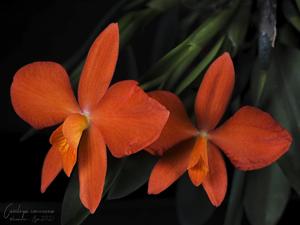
[(51, 168), (128, 118), (170, 166), (92, 166), (178, 127), (215, 182), (251, 139), (99, 67), (42, 95), (214, 92)]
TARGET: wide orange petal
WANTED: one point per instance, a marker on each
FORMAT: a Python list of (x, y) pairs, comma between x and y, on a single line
[(214, 92), (215, 182), (42, 95), (51, 168), (178, 127), (66, 139), (99, 67), (170, 166), (198, 162), (128, 118), (92, 166), (251, 139)]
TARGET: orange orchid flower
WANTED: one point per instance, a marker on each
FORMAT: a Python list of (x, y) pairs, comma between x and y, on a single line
[(251, 138), (123, 117)]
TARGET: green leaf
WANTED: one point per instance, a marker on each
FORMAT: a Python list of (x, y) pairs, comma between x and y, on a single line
[(193, 205), (175, 62), (290, 162), (162, 5), (180, 66), (147, 86), (135, 173), (166, 64), (133, 21), (266, 195), (291, 14), (114, 168), (287, 35), (239, 26), (298, 4), (198, 40), (185, 23), (73, 212), (190, 78), (234, 210), (281, 99)]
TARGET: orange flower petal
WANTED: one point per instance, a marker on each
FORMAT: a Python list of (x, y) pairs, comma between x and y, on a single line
[(178, 126), (252, 139), (51, 168), (92, 166), (170, 167), (66, 139), (99, 67), (215, 182), (214, 92), (42, 95), (128, 118), (198, 162)]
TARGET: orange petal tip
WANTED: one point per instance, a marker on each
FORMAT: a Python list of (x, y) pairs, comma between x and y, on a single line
[(43, 189), (214, 92), (226, 55), (252, 139), (99, 67)]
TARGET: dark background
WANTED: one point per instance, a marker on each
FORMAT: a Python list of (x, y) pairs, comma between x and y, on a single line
[(54, 31)]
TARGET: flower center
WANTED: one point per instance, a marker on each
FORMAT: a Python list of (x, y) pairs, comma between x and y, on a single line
[(86, 114), (203, 134)]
